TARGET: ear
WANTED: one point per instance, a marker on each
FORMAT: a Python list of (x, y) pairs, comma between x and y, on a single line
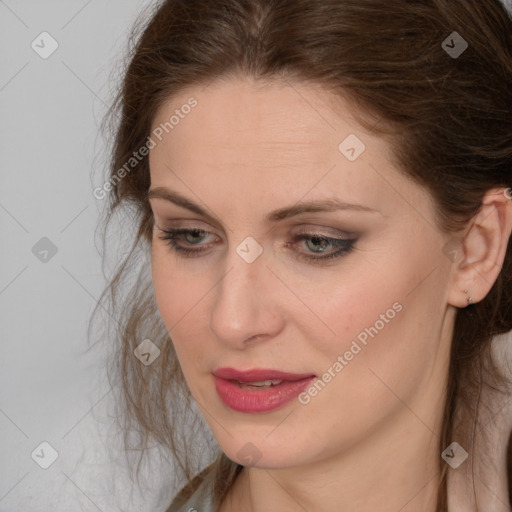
[(482, 249)]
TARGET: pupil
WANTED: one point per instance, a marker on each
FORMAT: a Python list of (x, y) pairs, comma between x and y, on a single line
[(194, 234), (317, 240)]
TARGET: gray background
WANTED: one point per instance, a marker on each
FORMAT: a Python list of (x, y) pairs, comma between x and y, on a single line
[(51, 157)]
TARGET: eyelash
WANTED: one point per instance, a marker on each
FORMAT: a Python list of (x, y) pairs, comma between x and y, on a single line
[(345, 245)]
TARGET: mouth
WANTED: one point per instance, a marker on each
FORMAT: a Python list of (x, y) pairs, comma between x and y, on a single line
[(258, 390), (262, 384)]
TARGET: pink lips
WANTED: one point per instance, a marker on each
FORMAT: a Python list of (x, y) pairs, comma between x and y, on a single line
[(258, 400)]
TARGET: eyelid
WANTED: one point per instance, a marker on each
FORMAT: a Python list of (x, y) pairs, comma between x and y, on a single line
[(178, 220), (182, 223), (303, 227), (325, 232), (310, 222), (342, 246)]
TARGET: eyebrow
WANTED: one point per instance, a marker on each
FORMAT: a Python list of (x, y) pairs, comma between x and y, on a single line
[(325, 205)]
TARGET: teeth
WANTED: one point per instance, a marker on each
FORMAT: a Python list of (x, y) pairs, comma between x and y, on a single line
[(259, 384)]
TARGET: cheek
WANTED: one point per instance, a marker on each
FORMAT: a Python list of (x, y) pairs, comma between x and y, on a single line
[(369, 316), (179, 296), (353, 305), (388, 329), (165, 287)]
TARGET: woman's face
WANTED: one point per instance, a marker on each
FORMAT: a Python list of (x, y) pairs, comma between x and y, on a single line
[(355, 296)]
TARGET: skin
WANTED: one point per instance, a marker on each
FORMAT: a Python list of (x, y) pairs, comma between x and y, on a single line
[(369, 440)]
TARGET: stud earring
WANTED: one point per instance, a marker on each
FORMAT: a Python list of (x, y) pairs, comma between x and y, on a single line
[(469, 299)]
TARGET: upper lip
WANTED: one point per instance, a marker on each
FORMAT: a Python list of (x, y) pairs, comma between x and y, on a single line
[(258, 374)]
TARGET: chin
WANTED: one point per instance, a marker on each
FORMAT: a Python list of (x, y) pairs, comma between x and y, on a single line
[(258, 452)]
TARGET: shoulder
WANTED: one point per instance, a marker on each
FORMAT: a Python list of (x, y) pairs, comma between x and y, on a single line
[(197, 496)]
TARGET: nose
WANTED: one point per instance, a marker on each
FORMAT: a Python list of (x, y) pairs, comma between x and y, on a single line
[(246, 303)]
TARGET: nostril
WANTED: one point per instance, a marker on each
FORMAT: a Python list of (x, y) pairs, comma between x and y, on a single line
[(254, 338)]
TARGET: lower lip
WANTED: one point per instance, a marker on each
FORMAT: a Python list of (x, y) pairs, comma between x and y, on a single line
[(259, 400)]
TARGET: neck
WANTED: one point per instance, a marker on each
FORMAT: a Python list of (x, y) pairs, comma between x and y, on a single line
[(397, 469)]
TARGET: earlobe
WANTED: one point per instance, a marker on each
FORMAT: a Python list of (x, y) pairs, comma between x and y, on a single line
[(483, 249)]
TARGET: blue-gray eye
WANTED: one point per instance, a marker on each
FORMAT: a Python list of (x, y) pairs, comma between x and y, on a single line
[(320, 244)]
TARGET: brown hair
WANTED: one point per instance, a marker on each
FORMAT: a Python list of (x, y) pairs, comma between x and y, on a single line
[(448, 119)]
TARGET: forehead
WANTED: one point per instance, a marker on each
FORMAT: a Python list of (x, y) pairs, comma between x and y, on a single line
[(280, 139), (240, 116)]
